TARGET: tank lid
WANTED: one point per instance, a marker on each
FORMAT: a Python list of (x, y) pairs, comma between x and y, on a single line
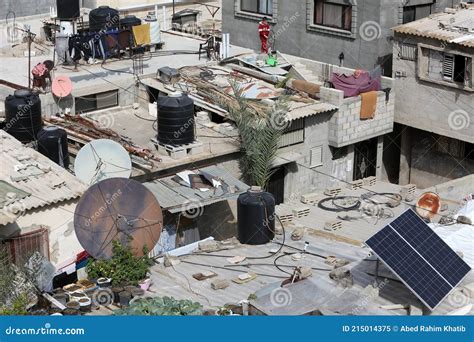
[(50, 128), (175, 94), (255, 189), (22, 93)]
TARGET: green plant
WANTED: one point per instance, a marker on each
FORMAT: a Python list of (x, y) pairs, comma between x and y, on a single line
[(162, 306), (260, 132), (123, 268), (18, 307)]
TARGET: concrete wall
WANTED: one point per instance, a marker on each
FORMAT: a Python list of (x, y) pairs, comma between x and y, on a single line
[(431, 106), (364, 47), (63, 243), (300, 179), (23, 8)]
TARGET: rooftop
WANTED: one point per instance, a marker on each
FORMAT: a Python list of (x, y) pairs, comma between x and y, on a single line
[(452, 26), (36, 180)]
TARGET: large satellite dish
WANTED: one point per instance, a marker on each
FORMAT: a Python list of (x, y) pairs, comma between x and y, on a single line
[(102, 159), (117, 209)]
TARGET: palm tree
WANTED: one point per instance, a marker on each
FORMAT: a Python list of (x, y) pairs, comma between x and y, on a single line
[(260, 133)]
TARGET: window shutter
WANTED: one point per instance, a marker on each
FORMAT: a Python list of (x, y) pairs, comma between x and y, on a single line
[(448, 66), (316, 156)]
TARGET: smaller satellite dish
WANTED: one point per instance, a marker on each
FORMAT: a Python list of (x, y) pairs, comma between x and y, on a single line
[(102, 159), (428, 205), (61, 86)]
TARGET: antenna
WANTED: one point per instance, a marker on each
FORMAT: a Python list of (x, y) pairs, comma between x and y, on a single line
[(102, 159), (117, 209)]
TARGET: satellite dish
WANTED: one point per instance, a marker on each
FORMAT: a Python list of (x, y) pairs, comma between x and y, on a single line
[(61, 86), (101, 159), (117, 209)]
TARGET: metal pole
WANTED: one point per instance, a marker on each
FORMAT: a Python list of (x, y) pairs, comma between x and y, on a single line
[(173, 8), (29, 59)]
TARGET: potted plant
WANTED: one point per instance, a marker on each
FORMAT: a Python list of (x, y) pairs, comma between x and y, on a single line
[(124, 268), (104, 282)]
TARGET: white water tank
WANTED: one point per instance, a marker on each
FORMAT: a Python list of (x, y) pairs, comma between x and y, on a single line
[(155, 36)]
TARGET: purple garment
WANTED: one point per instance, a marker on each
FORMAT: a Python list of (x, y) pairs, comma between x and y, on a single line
[(352, 86)]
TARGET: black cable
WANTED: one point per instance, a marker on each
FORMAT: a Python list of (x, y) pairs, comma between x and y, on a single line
[(230, 269), (338, 208), (292, 161)]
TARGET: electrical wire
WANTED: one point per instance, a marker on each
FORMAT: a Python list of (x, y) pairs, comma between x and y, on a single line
[(291, 161)]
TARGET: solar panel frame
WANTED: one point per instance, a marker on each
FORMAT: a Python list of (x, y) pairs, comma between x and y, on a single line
[(432, 305)]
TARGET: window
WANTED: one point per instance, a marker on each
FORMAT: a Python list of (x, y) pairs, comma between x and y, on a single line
[(445, 66), (89, 103), (455, 68), (264, 7), (412, 13), (407, 52), (316, 157), (336, 14), (22, 247), (293, 135)]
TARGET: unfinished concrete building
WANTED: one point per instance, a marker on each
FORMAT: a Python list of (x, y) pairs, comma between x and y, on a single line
[(356, 34), (435, 99)]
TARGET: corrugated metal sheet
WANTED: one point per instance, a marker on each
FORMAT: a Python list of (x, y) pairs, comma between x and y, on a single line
[(47, 182), (176, 198), (444, 26), (300, 110)]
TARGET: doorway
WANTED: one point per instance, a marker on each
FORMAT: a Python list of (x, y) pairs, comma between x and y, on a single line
[(365, 159), (276, 185)]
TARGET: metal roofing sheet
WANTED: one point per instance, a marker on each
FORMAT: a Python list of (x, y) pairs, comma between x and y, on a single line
[(453, 26), (29, 171), (175, 197), (300, 110)]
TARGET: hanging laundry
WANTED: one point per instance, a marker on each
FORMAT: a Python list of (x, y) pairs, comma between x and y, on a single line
[(142, 34), (359, 82), (369, 105)]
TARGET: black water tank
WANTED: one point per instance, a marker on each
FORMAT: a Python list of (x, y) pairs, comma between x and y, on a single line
[(23, 115), (52, 143), (129, 21), (175, 119), (256, 217), (103, 18), (68, 9)]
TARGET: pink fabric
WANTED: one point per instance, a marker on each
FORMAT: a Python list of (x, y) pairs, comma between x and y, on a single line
[(353, 86), (39, 70)]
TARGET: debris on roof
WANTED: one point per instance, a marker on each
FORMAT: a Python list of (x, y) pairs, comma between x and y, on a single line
[(453, 26), (36, 179)]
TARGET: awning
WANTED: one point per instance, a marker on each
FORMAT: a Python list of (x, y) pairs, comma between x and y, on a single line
[(176, 197)]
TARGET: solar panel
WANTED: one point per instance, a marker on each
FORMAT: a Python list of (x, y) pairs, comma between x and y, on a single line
[(419, 257)]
